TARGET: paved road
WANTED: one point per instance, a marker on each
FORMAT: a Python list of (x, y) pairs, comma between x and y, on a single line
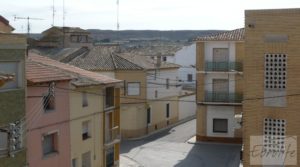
[(169, 148)]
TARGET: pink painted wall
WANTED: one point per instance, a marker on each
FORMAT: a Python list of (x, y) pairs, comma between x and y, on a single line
[(38, 123)]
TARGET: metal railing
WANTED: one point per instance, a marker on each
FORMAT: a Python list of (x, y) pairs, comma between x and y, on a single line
[(223, 97), (223, 66)]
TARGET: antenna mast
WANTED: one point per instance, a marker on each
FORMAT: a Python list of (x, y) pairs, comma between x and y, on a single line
[(118, 24), (53, 14), (28, 23), (64, 17)]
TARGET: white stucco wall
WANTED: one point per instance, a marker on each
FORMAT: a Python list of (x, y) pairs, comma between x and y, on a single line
[(159, 83), (186, 57), (186, 109), (223, 112)]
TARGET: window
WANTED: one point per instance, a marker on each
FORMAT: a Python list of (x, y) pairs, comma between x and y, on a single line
[(220, 54), (109, 97), (190, 77), (155, 94), (110, 157), (164, 58), (86, 132), (275, 71), (9, 75), (49, 102), (220, 125), (167, 83), (50, 144), (84, 99), (74, 162), (86, 159), (168, 110), (79, 38), (148, 115), (133, 88)]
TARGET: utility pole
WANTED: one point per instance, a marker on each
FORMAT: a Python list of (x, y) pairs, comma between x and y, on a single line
[(28, 23)]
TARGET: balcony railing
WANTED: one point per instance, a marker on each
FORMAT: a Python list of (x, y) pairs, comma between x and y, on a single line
[(112, 136), (223, 66), (223, 97)]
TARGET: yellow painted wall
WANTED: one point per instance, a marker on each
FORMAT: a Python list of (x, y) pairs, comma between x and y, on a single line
[(133, 120), (158, 109), (79, 114)]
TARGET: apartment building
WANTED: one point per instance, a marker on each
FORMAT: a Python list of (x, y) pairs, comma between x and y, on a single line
[(271, 85), (68, 37), (219, 86), (12, 95), (94, 118), (47, 116), (162, 91)]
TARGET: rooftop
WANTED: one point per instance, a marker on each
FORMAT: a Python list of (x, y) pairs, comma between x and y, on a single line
[(82, 77), (38, 73), (103, 58), (147, 62), (234, 35)]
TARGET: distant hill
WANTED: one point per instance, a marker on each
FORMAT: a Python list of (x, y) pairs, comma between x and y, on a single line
[(176, 35)]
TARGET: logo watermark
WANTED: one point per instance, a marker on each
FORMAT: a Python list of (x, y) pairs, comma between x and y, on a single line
[(273, 150)]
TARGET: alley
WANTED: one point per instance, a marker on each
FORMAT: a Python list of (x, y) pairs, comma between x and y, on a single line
[(170, 148)]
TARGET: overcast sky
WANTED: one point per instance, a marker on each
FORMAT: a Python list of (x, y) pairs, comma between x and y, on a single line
[(137, 14)]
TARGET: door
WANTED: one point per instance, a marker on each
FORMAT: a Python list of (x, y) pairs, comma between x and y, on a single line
[(220, 59), (220, 91)]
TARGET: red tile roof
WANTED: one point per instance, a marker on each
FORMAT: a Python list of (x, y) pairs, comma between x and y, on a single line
[(37, 73), (234, 35), (83, 77)]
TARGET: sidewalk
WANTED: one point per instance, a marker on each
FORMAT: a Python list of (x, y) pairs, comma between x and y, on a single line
[(128, 162)]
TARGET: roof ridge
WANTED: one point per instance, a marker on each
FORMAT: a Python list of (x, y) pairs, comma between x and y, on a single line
[(113, 60), (128, 61)]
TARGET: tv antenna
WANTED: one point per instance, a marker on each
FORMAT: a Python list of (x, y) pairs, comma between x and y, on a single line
[(28, 23), (53, 13), (118, 24)]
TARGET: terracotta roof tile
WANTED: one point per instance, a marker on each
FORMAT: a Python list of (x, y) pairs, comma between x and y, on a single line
[(234, 35), (83, 77), (103, 58), (37, 73)]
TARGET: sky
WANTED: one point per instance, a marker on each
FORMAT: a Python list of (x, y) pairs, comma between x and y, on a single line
[(135, 14)]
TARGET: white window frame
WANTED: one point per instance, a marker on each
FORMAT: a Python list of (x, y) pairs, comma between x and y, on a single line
[(88, 130), (131, 91), (223, 132)]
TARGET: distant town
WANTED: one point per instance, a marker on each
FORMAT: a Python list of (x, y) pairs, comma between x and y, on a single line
[(144, 98)]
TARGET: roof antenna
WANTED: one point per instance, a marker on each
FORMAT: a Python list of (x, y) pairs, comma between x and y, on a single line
[(53, 14), (64, 13), (118, 24)]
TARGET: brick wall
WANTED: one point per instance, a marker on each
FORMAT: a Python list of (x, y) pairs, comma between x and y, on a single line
[(259, 24)]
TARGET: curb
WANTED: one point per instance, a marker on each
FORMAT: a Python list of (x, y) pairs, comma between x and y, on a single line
[(163, 129)]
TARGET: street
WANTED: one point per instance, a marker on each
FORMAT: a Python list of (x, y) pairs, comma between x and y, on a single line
[(170, 148)]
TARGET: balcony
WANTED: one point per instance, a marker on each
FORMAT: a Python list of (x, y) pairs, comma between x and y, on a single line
[(223, 66), (112, 136), (223, 97)]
